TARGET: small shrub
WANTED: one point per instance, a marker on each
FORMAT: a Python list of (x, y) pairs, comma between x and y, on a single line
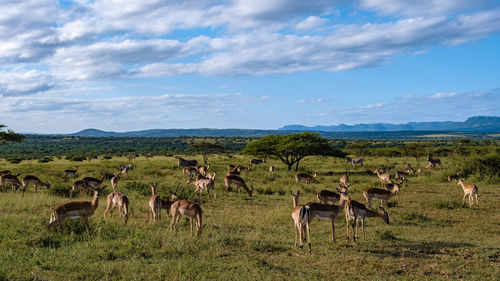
[(445, 205), (386, 235), (60, 190), (413, 217), (45, 160), (14, 160)]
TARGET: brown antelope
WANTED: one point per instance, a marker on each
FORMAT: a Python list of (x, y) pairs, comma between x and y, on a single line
[(271, 170), (77, 185), (185, 208), (305, 178), (409, 168), (125, 172), (190, 171), (391, 185), (12, 180), (212, 176), (384, 178), (379, 194), (156, 204), (323, 212), (419, 170), (114, 181), (256, 161), (429, 166), (469, 189), (356, 211), (70, 172), (330, 197), (455, 177), (203, 170), (344, 180), (240, 169), (239, 182), (299, 221), (27, 180), (230, 167), (203, 184), (117, 199), (5, 172), (434, 162), (93, 181), (401, 175), (76, 209)]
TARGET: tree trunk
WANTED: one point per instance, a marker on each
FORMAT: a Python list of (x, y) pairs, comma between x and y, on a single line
[(297, 166)]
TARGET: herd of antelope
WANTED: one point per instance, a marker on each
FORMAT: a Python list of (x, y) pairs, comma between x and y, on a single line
[(330, 204)]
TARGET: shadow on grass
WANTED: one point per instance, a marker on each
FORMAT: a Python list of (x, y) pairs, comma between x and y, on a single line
[(350, 173), (408, 249)]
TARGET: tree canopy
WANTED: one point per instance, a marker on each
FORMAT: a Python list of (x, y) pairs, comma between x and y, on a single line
[(290, 149), (206, 148), (8, 136)]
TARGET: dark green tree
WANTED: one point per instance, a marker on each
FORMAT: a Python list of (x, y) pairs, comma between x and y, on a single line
[(292, 148), (207, 148), (8, 136)]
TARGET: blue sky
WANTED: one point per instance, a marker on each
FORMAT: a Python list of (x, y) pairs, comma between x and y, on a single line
[(132, 65)]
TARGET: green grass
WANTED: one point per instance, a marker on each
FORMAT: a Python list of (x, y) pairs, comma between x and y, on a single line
[(431, 235)]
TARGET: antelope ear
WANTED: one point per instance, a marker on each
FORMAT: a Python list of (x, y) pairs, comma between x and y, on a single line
[(291, 193), (298, 192)]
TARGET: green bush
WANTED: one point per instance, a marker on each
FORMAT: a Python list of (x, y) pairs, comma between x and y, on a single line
[(45, 160), (14, 160)]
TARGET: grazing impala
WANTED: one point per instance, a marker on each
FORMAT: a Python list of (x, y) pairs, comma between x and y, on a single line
[(77, 185), (344, 180), (379, 194), (114, 181), (185, 208), (186, 163), (240, 169), (70, 172), (324, 212), (10, 179), (434, 162), (76, 209), (93, 181), (401, 175), (356, 211), (469, 189), (305, 178), (117, 199), (203, 184), (299, 221), (391, 185), (330, 197), (239, 182), (27, 180), (256, 161), (384, 178), (271, 170)]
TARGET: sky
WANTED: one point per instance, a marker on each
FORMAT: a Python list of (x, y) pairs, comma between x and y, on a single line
[(125, 65)]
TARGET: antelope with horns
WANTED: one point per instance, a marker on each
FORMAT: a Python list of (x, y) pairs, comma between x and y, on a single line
[(27, 180), (76, 209), (117, 199), (356, 211), (114, 181), (70, 172), (156, 204), (203, 170), (185, 208), (11, 180), (93, 181), (323, 212), (299, 220), (239, 182), (77, 185), (330, 197), (384, 178), (305, 178), (469, 189), (379, 194)]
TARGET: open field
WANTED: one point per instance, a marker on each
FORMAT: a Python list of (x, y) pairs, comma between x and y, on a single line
[(431, 236)]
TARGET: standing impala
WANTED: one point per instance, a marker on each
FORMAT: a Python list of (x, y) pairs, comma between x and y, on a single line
[(70, 172), (203, 184), (93, 181), (324, 212), (356, 211), (469, 189), (239, 182), (271, 170), (344, 180), (379, 194), (305, 178), (27, 180), (156, 204), (117, 199), (383, 177), (330, 197), (76, 209), (185, 208), (299, 220), (77, 185), (114, 181), (10, 179)]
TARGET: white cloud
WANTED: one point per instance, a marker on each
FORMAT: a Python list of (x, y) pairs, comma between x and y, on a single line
[(310, 23), (372, 105), (301, 101), (443, 95), (419, 8)]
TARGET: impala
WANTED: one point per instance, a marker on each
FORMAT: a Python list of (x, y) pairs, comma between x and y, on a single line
[(239, 182), (76, 209), (390, 186), (230, 167), (185, 208), (434, 162), (125, 172), (202, 169), (455, 177), (469, 189), (10, 179), (401, 175), (186, 163), (305, 178), (5, 172), (354, 161), (156, 203), (344, 180), (203, 184), (356, 211), (330, 197), (27, 180), (409, 168), (117, 199), (190, 171), (240, 169), (324, 212), (69, 172), (383, 177), (299, 221), (77, 185), (271, 170), (379, 194), (93, 181), (114, 181), (430, 166), (257, 161)]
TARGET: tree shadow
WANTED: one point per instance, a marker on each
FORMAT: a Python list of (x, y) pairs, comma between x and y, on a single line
[(408, 249)]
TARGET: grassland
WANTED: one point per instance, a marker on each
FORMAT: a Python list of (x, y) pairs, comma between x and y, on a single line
[(431, 235)]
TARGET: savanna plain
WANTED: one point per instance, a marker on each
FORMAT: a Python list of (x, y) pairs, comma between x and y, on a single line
[(431, 235)]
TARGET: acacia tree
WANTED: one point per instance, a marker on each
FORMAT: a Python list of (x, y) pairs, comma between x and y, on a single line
[(207, 148), (290, 149), (8, 137)]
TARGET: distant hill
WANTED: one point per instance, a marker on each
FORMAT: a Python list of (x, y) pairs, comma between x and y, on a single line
[(180, 132), (472, 124)]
